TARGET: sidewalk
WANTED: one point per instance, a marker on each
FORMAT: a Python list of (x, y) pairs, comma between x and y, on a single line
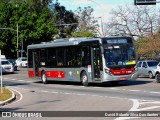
[(13, 97)]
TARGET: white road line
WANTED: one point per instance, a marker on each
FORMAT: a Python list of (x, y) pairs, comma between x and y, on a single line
[(135, 105), (148, 108), (21, 80), (44, 91), (134, 90), (21, 96), (150, 102), (155, 92), (114, 88), (134, 108)]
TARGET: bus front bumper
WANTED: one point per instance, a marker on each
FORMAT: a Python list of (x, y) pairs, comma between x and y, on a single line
[(109, 77)]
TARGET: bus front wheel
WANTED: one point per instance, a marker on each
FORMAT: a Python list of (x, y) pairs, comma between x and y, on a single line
[(44, 77), (84, 78)]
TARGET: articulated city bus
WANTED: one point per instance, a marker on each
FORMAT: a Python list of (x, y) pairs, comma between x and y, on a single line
[(83, 60)]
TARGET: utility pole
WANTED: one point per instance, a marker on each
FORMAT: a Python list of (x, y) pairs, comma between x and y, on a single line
[(17, 41), (1, 72)]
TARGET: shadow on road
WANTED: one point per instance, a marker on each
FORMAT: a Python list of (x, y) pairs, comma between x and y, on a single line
[(106, 84)]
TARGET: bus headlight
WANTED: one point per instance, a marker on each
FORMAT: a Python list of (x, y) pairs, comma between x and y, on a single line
[(107, 71), (135, 68)]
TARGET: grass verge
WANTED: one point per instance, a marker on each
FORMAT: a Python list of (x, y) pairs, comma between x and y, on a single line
[(5, 94)]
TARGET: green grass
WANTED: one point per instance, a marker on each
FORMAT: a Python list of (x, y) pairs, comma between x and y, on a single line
[(5, 94)]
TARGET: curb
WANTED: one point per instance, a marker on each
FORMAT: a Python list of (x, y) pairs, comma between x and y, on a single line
[(2, 103)]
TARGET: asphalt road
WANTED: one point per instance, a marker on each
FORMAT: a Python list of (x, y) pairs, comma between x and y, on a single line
[(138, 95)]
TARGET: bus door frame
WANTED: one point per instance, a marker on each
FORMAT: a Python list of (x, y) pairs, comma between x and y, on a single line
[(94, 64), (35, 64)]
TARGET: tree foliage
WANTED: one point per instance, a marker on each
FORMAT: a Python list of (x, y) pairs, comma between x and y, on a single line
[(83, 33), (133, 21), (36, 23), (148, 47), (64, 20), (86, 22)]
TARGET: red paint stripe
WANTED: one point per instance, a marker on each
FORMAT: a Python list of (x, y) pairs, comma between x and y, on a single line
[(122, 71), (31, 73), (55, 74), (49, 74)]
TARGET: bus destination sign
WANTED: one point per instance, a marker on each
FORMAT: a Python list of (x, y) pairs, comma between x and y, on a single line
[(116, 41)]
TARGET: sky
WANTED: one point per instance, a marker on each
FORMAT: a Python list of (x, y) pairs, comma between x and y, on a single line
[(101, 8)]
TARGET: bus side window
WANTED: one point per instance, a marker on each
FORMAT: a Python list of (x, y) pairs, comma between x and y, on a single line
[(70, 56), (60, 57), (42, 57), (30, 58), (78, 56), (51, 57), (86, 59)]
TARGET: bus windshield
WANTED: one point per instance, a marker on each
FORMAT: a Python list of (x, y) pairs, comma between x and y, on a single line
[(119, 55)]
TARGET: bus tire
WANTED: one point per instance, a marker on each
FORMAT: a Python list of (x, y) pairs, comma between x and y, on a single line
[(44, 77), (84, 79)]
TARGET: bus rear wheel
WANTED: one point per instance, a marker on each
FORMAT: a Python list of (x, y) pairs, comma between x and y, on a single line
[(44, 77), (84, 78)]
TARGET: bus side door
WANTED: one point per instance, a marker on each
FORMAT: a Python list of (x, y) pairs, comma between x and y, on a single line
[(36, 64), (96, 62)]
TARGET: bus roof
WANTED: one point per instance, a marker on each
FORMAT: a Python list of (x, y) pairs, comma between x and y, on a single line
[(63, 42), (70, 42)]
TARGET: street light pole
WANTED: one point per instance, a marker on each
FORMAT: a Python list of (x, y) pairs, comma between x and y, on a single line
[(17, 35), (17, 41), (1, 73)]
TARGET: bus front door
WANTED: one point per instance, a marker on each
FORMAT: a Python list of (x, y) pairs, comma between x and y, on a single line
[(35, 64), (96, 63)]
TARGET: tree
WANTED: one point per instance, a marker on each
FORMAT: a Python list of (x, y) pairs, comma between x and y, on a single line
[(83, 33), (133, 21), (86, 22), (64, 20), (148, 47), (35, 24)]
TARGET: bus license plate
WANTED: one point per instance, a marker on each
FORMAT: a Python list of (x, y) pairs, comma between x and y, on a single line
[(123, 78)]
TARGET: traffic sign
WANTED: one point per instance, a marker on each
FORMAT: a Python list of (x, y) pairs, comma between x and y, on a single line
[(144, 2)]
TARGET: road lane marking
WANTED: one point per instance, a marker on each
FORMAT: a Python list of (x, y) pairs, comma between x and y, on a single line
[(134, 108), (21, 80), (114, 89), (134, 90), (44, 91), (154, 92), (20, 94), (148, 108)]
